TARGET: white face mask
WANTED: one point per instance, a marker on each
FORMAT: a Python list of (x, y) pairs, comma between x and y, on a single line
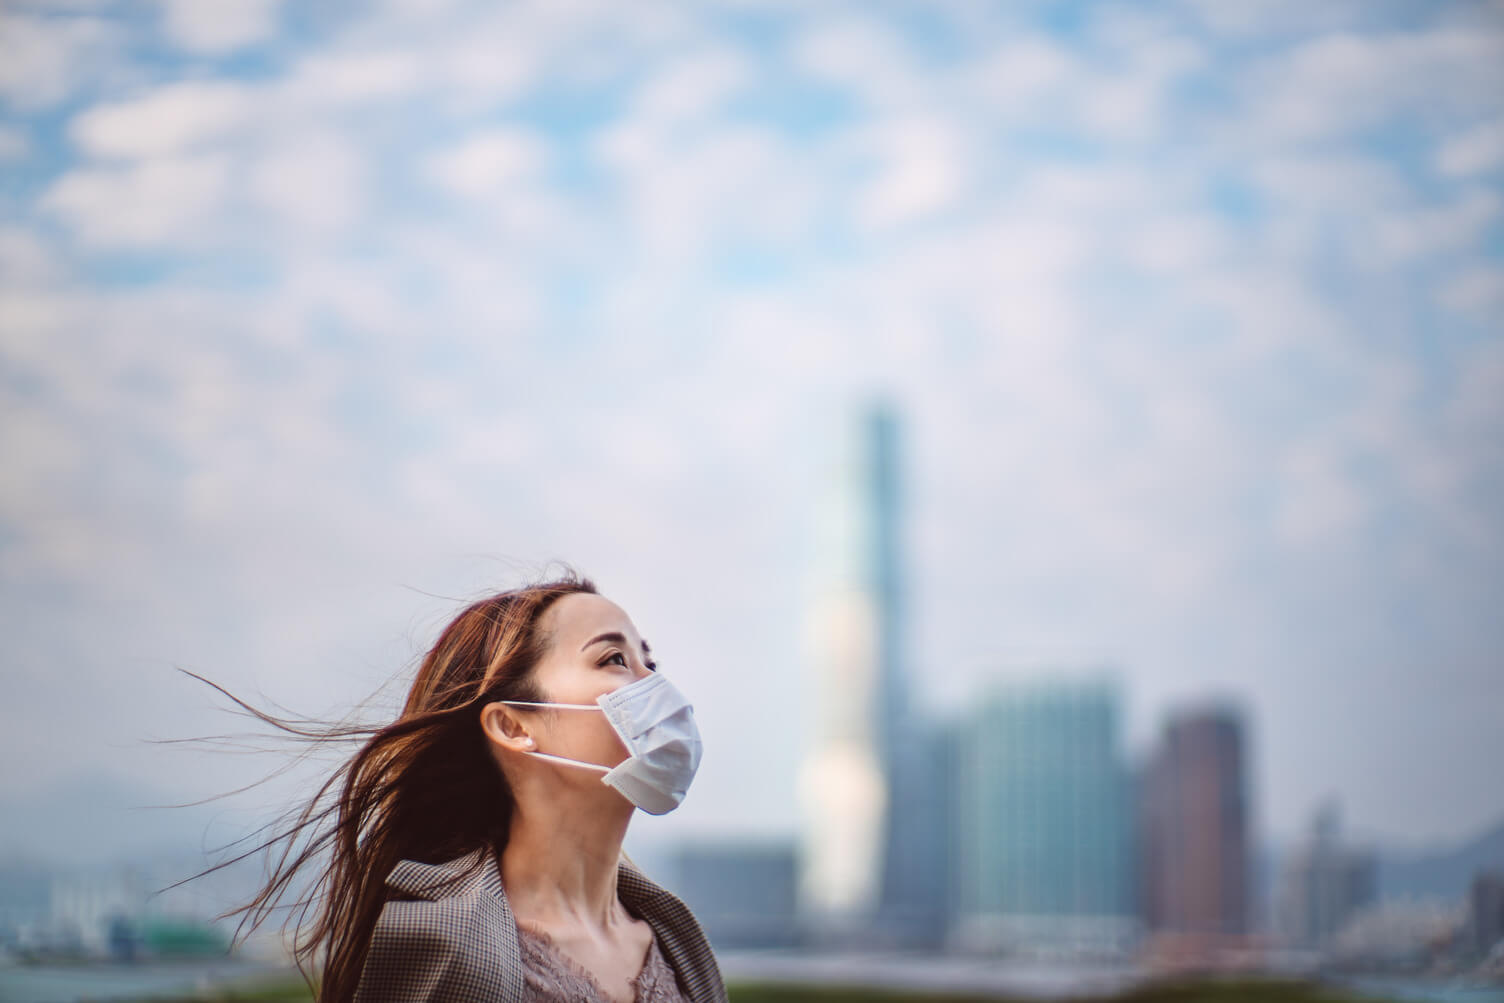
[(657, 725)]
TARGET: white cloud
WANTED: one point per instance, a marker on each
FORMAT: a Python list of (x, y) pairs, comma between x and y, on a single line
[(490, 163), (1123, 107), (150, 203), (1478, 290), (48, 59), (1021, 71), (1428, 232), (691, 89), (1273, 18), (313, 182), (1310, 189), (869, 58), (672, 111), (1339, 85), (1477, 151), (220, 26), (172, 119), (1317, 500), (1476, 410), (682, 197), (487, 64), (1179, 244), (25, 260), (1263, 309), (357, 76), (1134, 102), (921, 168)]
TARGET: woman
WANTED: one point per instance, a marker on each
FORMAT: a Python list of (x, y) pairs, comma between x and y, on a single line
[(474, 847)]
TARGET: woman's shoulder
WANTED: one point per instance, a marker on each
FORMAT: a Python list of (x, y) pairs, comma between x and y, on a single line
[(457, 899), (445, 932), (447, 908), (677, 932), (470, 875)]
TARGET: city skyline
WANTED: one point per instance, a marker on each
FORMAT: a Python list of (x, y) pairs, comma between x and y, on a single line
[(316, 322)]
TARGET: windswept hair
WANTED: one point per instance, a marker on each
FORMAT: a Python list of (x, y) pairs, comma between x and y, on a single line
[(424, 787)]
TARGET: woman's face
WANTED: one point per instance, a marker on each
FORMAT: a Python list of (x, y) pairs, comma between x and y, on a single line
[(594, 649)]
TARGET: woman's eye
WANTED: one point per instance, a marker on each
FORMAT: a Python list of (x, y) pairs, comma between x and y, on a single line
[(617, 657)]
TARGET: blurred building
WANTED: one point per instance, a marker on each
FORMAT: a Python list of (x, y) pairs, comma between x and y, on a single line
[(25, 900), (855, 638), (89, 909), (1398, 937), (125, 910), (1194, 829), (744, 895), (914, 752), (1044, 823), (1485, 913), (1322, 884), (920, 878)]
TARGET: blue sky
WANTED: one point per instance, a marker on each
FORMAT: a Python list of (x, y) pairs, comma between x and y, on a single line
[(314, 320)]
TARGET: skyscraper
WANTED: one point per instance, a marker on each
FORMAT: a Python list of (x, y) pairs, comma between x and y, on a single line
[(876, 786), (742, 893), (1485, 916), (1195, 828), (1044, 821), (854, 648), (1322, 884)]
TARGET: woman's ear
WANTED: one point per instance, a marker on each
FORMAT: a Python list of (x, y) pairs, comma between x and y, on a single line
[(505, 729)]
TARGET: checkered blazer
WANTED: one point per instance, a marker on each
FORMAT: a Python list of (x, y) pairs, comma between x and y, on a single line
[(438, 942)]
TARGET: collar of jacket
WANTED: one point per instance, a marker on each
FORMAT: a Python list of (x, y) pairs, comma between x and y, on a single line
[(437, 881), (679, 936)]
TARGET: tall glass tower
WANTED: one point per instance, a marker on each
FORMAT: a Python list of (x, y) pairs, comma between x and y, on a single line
[(1045, 822), (854, 646), (1195, 825), (877, 785)]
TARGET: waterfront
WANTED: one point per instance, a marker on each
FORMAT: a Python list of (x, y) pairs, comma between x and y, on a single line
[(1416, 990), (106, 981), (770, 975), (1003, 978), (1015, 979)]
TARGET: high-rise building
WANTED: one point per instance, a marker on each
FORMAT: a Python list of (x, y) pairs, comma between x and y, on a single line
[(920, 860), (1194, 828), (1322, 884), (1044, 822), (876, 784), (743, 894), (854, 645), (1485, 915)]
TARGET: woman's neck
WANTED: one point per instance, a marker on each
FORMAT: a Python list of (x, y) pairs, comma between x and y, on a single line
[(559, 866)]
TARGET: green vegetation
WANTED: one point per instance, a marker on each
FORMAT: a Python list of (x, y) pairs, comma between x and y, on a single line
[(784, 993), (1188, 991), (177, 938), (1238, 991), (282, 990)]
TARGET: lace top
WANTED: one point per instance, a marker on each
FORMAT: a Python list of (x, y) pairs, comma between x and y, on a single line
[(553, 978)]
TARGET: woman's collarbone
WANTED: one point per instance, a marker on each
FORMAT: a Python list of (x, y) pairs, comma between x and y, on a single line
[(614, 956)]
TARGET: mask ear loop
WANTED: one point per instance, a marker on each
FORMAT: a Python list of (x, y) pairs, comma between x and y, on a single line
[(572, 762), (561, 706)]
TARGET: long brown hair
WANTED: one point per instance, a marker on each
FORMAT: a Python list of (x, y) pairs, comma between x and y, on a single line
[(423, 787)]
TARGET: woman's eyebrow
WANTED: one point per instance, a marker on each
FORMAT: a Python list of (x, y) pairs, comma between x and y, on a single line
[(615, 637)]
